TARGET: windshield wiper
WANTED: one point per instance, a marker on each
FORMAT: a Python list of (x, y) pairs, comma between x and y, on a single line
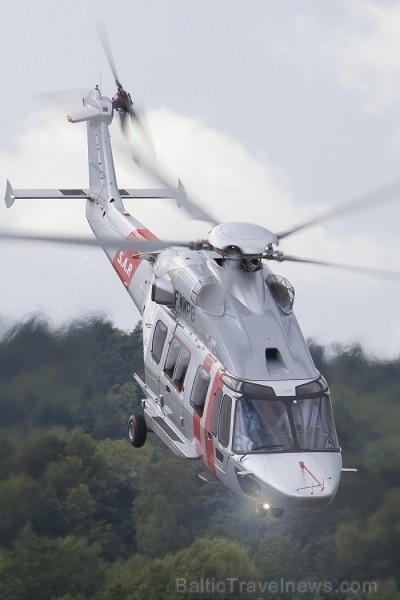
[(255, 450)]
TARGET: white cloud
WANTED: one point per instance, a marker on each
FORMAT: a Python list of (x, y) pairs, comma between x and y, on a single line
[(221, 174), (362, 52)]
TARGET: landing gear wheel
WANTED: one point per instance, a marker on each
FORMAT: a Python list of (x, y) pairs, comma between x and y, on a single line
[(276, 512), (137, 430)]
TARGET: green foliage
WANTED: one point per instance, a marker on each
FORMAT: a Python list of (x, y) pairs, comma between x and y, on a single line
[(183, 574), (84, 516), (41, 569), (79, 375), (37, 451), (7, 453), (17, 494), (374, 541)]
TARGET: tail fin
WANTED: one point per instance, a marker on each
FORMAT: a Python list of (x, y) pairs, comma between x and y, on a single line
[(9, 197), (98, 113)]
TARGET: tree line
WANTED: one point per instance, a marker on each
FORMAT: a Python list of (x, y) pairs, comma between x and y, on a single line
[(83, 516)]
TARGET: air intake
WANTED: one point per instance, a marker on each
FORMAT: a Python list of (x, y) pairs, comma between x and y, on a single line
[(275, 363)]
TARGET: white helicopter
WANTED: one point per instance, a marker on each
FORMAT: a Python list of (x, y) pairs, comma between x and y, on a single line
[(229, 379)]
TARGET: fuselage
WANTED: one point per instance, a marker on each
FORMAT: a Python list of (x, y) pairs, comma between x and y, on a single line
[(228, 376), (244, 392)]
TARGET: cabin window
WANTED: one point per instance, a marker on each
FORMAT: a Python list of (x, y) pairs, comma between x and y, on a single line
[(177, 362), (215, 412), (181, 367), (224, 424), (199, 390), (159, 337)]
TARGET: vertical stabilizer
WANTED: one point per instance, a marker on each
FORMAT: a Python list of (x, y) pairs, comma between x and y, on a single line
[(98, 113), (105, 211)]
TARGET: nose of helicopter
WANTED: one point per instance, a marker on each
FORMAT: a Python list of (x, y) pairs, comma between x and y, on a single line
[(308, 479)]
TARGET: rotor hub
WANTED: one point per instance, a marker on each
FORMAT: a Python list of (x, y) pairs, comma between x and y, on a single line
[(250, 239)]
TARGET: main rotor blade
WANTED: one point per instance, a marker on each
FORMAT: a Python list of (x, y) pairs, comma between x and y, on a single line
[(113, 243), (194, 210), (387, 194), (381, 273)]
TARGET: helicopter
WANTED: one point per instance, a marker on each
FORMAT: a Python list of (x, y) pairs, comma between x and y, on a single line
[(228, 376)]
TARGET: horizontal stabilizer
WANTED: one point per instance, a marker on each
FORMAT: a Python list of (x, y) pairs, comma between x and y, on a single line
[(68, 194), (49, 194), (149, 193), (12, 194)]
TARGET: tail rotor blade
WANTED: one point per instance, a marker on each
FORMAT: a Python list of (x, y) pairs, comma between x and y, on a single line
[(107, 50), (122, 101), (122, 120)]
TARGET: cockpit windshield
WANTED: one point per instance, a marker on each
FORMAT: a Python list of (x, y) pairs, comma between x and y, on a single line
[(283, 424)]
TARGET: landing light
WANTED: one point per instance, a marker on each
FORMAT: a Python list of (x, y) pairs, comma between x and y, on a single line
[(266, 506)]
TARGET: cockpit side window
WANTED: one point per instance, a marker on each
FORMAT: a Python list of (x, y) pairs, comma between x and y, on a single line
[(224, 424), (159, 337)]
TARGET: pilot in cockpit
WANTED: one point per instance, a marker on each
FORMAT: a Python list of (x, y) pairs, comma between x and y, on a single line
[(251, 431)]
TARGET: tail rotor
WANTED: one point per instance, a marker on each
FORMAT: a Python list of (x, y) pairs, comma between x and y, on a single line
[(122, 101)]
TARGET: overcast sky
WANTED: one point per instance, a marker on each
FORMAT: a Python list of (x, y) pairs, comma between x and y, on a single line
[(268, 111)]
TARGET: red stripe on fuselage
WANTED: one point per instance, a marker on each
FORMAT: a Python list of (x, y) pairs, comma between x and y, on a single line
[(207, 366), (196, 432), (208, 438), (208, 363), (125, 262)]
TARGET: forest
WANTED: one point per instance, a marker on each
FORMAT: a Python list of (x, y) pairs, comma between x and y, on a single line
[(85, 516)]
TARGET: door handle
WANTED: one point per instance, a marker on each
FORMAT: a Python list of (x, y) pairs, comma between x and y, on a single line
[(209, 436), (167, 388)]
